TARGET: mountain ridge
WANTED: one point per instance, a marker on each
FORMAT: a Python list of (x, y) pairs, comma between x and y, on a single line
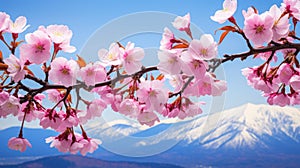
[(248, 135)]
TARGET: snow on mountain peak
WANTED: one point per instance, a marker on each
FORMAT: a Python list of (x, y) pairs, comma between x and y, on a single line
[(248, 126), (245, 125)]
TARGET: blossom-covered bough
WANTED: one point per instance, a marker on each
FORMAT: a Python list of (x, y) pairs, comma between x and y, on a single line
[(121, 81)]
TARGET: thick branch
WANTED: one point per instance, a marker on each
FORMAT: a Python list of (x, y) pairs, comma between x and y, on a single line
[(261, 50), (33, 92)]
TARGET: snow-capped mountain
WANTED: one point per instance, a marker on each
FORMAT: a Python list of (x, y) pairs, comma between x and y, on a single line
[(245, 136), (250, 125), (245, 126), (249, 135)]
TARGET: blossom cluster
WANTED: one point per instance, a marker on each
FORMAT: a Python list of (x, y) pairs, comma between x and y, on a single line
[(119, 80), (279, 83)]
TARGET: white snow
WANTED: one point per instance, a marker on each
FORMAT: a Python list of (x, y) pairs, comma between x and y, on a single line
[(234, 128)]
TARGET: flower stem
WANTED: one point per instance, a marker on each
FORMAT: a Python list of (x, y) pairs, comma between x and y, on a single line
[(22, 125)]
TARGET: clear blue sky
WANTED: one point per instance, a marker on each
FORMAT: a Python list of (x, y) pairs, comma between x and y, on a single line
[(85, 17)]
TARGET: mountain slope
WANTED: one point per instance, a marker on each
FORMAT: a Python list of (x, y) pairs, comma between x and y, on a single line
[(253, 126), (75, 161), (251, 135), (245, 136)]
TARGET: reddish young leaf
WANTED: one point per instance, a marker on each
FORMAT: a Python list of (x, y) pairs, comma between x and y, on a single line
[(28, 71), (160, 77), (227, 28), (3, 67), (255, 10), (120, 45), (152, 77), (1, 56), (81, 62), (69, 98), (181, 45), (223, 35)]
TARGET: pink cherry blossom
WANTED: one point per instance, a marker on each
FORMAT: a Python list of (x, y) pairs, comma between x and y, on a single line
[(76, 146), (15, 68), (280, 99), (131, 58), (129, 107), (34, 111), (147, 118), (153, 95), (55, 96), (192, 89), (61, 36), (218, 87), (106, 93), (63, 71), (181, 114), (111, 56), (73, 143), (90, 145), (115, 104), (295, 98), (94, 109), (92, 73), (182, 23), (37, 49), (292, 7), (62, 145), (18, 26), (229, 7), (249, 12), (257, 81), (10, 106), (51, 119), (295, 82), (172, 114), (205, 48), (193, 109), (69, 119), (4, 22), (258, 28), (193, 67), (18, 144), (205, 85), (281, 24), (4, 96), (166, 41), (169, 62), (266, 55), (59, 33), (285, 72), (176, 81)]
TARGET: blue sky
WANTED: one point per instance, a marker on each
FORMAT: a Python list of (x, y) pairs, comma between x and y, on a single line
[(85, 17)]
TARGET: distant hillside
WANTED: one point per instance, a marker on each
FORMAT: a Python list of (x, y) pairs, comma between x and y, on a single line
[(75, 161), (35, 136)]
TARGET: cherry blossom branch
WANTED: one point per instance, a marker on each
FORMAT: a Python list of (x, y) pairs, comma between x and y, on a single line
[(183, 87), (46, 86), (35, 79), (217, 62), (23, 121), (64, 98), (253, 51), (295, 37)]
